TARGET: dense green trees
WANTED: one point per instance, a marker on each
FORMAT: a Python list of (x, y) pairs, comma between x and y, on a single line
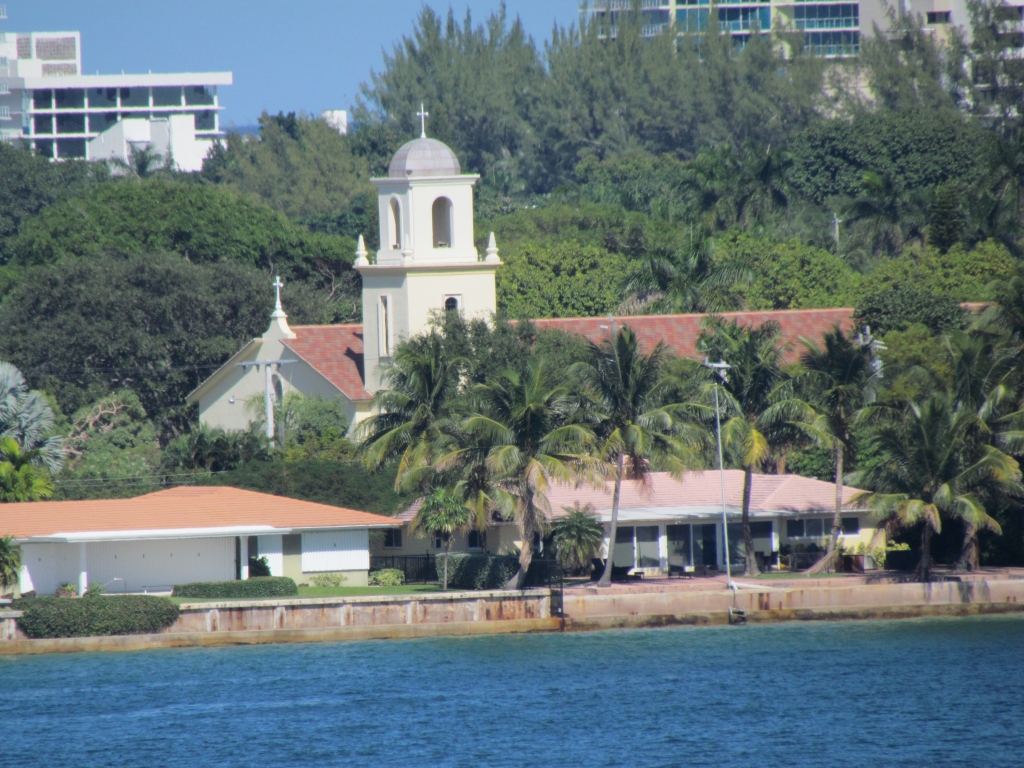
[(161, 331)]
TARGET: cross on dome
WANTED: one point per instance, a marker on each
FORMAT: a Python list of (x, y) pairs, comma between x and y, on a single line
[(423, 115)]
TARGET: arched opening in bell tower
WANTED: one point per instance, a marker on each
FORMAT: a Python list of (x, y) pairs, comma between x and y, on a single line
[(395, 225), (442, 215)]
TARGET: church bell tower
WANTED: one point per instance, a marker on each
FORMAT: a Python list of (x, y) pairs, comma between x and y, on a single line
[(427, 262)]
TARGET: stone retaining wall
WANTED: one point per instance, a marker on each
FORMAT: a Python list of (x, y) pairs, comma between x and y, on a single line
[(581, 605), (320, 613)]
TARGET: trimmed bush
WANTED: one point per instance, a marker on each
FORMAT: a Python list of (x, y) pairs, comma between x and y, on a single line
[(263, 586), (477, 571), (91, 616), (328, 580), (388, 577)]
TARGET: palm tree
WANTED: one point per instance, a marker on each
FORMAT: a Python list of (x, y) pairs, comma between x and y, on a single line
[(528, 424), (28, 418), (10, 564), (578, 536), (690, 281), (21, 476), (442, 512), (762, 417), (986, 379), (934, 462), (635, 425), (894, 216), (840, 379), (413, 411)]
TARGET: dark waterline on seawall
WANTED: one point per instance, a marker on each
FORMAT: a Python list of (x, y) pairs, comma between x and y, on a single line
[(927, 692)]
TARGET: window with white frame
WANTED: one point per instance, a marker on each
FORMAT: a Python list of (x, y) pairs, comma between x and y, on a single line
[(5, 113), (452, 303), (818, 527), (393, 538), (384, 322), (4, 88)]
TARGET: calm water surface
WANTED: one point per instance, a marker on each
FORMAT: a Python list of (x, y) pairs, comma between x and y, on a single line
[(916, 693)]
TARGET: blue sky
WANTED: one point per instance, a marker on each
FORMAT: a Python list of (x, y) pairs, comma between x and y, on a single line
[(286, 56)]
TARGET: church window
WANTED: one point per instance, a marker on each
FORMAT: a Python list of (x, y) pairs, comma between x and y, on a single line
[(384, 326), (395, 224), (442, 214), (451, 304)]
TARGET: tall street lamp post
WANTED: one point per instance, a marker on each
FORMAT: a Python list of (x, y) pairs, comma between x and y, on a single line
[(719, 369)]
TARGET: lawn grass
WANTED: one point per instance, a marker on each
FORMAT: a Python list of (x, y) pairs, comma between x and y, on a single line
[(408, 589)]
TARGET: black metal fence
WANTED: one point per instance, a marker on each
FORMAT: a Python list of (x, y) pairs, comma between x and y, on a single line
[(418, 569), (548, 572)]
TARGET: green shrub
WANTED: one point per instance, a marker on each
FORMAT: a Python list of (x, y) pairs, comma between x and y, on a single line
[(259, 567), (90, 616), (477, 571), (896, 309), (388, 577), (263, 586), (328, 580)]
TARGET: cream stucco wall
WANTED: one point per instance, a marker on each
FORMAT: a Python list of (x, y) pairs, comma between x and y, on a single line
[(222, 398), (415, 293)]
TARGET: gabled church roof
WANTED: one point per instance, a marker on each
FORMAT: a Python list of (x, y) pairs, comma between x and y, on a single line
[(336, 353)]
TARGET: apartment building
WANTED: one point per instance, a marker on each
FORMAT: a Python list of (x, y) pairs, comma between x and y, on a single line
[(49, 103), (831, 28)]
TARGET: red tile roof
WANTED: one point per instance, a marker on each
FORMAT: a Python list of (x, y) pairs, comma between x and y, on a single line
[(186, 507), (680, 332), (769, 493), (698, 492), (336, 352)]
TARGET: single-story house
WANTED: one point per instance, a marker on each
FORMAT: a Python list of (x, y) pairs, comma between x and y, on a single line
[(669, 522), (185, 534)]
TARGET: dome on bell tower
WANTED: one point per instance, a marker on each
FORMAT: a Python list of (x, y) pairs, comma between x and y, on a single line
[(424, 157)]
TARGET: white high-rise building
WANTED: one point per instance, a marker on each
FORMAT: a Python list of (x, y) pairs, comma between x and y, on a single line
[(49, 103)]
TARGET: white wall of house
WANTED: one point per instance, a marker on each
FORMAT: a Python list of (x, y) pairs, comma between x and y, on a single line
[(132, 566), (341, 550), (272, 548)]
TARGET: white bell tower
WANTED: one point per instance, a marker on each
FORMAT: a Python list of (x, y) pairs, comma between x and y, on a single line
[(427, 261)]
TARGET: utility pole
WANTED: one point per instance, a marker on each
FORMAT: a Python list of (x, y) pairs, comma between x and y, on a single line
[(268, 389), (836, 221)]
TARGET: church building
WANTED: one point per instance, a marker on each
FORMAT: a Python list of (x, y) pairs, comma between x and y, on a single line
[(427, 263)]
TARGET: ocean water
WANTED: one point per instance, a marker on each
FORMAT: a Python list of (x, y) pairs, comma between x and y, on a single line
[(935, 692)]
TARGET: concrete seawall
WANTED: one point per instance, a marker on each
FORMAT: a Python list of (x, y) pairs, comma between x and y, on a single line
[(589, 609), (370, 611), (251, 622)]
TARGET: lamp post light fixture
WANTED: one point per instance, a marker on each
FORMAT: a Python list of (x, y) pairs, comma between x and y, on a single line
[(719, 369)]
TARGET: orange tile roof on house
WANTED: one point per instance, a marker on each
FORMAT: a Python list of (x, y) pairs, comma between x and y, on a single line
[(680, 332), (336, 353), (178, 512)]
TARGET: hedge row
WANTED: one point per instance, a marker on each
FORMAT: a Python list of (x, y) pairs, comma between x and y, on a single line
[(477, 571), (91, 616), (485, 571), (263, 586)]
